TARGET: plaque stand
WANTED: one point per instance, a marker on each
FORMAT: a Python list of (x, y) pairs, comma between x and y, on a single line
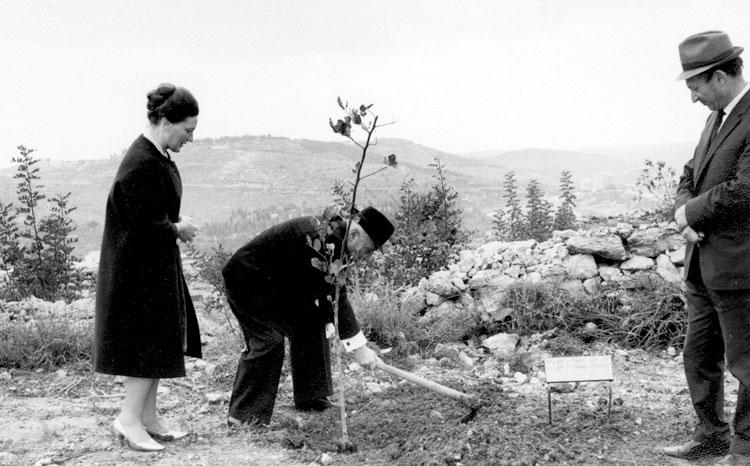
[(579, 369)]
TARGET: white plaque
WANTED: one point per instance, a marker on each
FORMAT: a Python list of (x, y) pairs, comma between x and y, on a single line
[(578, 369)]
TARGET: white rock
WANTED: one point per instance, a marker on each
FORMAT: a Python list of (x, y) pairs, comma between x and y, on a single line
[(580, 266), (432, 299), (465, 360), (572, 286), (677, 256), (501, 344), (373, 387), (520, 378), (436, 415), (637, 263), (666, 269), (610, 274), (591, 285), (491, 278), (326, 459)]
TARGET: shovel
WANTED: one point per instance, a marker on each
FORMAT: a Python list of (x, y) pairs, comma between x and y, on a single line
[(467, 400)]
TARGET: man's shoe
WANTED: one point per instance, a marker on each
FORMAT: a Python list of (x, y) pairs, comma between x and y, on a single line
[(320, 404), (734, 459), (695, 450)]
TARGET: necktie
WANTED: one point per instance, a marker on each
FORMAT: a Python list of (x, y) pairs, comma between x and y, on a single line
[(715, 127)]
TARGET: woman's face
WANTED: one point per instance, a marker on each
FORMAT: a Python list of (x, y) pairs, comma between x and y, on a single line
[(177, 134)]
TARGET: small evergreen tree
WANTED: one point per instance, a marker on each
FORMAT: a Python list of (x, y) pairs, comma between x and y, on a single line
[(565, 217), (444, 208), (510, 221), (538, 213)]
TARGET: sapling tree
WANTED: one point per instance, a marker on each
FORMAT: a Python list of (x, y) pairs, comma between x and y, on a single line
[(333, 263), (38, 256)]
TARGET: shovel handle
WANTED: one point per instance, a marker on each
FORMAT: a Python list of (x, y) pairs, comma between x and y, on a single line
[(426, 383)]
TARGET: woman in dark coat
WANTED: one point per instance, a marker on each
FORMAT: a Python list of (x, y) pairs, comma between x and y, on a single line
[(145, 320)]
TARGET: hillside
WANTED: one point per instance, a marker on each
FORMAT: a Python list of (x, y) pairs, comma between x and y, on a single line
[(284, 177)]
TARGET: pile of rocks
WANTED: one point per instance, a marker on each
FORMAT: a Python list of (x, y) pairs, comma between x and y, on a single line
[(33, 307), (619, 255)]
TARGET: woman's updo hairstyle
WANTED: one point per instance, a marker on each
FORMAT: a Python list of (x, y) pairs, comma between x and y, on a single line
[(171, 102)]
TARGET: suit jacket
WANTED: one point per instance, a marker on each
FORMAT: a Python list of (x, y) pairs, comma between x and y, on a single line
[(272, 278), (715, 189)]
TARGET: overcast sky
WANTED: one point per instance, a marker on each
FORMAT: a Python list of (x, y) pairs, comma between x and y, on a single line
[(458, 76)]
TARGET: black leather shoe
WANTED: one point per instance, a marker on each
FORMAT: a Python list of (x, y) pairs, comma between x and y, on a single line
[(695, 450), (734, 459), (320, 404)]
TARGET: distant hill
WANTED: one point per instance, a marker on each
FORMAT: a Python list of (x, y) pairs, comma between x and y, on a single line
[(232, 176)]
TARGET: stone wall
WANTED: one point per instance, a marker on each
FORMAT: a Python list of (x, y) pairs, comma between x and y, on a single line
[(619, 254)]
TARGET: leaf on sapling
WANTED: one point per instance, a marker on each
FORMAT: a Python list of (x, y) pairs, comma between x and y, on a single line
[(341, 104), (309, 240), (318, 264), (317, 244), (329, 279), (337, 266)]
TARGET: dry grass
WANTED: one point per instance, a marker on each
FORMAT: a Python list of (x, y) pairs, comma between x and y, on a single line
[(45, 342)]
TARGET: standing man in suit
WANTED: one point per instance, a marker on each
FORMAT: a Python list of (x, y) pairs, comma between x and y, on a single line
[(712, 209), (275, 290)]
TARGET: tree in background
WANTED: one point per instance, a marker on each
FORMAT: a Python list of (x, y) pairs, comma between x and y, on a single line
[(565, 219), (658, 182), (38, 257), (443, 199), (538, 212), (510, 222), (429, 233)]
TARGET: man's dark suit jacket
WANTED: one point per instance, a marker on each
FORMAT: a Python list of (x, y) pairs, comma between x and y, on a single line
[(715, 189), (272, 279)]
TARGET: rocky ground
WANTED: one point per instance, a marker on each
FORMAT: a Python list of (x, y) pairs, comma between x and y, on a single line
[(64, 417)]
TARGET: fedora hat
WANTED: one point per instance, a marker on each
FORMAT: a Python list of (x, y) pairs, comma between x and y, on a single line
[(376, 225), (703, 51)]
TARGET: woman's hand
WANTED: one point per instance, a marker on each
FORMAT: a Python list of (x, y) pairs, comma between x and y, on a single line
[(185, 229)]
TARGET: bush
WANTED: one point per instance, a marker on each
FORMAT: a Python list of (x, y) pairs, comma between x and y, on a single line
[(429, 233), (647, 316), (39, 256), (44, 343), (381, 319), (658, 183)]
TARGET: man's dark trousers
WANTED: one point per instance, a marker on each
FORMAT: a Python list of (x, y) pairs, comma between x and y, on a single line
[(718, 328), (259, 369)]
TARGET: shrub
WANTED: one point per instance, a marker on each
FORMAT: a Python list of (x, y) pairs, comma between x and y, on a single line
[(429, 233), (381, 319), (659, 183), (647, 316), (44, 342), (39, 256)]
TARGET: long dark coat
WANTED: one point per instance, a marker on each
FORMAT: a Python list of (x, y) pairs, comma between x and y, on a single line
[(145, 320), (272, 279)]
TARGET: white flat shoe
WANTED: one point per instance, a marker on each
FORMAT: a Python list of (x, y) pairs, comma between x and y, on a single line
[(149, 445)]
